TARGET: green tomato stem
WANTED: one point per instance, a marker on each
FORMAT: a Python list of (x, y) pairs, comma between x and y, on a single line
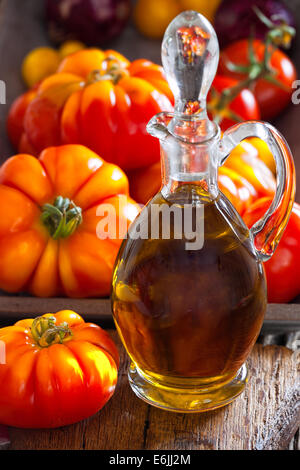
[(61, 218), (45, 332)]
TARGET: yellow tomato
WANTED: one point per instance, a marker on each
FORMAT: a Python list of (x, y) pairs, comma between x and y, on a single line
[(153, 16), (207, 8), (69, 47), (38, 64)]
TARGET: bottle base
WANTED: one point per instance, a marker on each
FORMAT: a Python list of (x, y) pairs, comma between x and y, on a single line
[(186, 400)]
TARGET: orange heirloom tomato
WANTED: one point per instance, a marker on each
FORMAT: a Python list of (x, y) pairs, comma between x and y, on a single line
[(263, 152), (244, 159), (58, 370), (49, 215), (237, 189), (100, 100)]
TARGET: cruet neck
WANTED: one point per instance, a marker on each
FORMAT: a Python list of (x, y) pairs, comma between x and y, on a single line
[(192, 129), (186, 163)]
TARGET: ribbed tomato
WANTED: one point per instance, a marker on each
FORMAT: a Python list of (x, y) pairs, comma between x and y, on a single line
[(100, 100), (55, 370), (49, 214)]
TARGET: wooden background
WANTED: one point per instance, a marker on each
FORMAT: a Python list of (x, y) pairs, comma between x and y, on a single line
[(267, 415), (264, 417)]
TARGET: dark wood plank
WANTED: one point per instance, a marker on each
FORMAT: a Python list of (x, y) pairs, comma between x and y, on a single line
[(265, 416), (283, 318), (279, 317), (18, 307)]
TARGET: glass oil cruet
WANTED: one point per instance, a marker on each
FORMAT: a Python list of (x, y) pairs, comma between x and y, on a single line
[(189, 310)]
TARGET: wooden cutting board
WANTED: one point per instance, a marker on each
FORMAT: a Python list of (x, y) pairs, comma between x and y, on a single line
[(265, 416)]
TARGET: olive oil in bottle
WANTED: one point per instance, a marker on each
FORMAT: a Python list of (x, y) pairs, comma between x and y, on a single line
[(189, 317)]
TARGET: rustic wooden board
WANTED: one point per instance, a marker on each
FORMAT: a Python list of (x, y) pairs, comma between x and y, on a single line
[(18, 307), (265, 416), (279, 317)]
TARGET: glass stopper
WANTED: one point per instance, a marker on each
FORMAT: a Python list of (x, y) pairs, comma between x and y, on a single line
[(190, 55)]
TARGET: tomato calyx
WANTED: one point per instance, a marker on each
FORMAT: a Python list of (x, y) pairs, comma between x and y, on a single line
[(61, 218), (45, 332), (111, 69), (257, 69)]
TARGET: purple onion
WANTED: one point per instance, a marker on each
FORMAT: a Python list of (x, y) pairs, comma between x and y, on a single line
[(93, 22), (235, 19)]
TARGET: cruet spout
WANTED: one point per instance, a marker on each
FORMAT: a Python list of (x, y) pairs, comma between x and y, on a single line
[(158, 125)]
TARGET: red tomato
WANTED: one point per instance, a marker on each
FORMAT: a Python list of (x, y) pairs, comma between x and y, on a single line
[(282, 270), (243, 107), (271, 97), (16, 115)]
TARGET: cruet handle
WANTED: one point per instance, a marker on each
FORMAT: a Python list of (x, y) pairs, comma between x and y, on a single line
[(267, 232)]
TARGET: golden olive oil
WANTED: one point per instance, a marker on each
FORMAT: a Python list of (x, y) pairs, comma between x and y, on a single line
[(189, 317)]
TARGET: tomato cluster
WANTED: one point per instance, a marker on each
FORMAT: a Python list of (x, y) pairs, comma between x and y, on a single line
[(236, 97)]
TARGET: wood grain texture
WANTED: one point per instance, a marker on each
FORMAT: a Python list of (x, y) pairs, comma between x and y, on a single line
[(18, 307), (279, 316), (265, 416)]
